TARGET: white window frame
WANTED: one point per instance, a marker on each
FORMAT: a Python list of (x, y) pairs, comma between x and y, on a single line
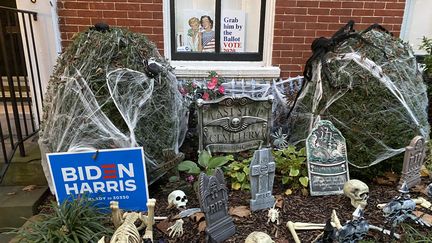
[(234, 69)]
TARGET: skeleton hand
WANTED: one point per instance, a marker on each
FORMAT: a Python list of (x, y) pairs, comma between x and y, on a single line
[(176, 229)]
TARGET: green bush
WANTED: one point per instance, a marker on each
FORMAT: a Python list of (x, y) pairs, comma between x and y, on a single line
[(291, 164), (206, 163), (427, 46), (238, 172), (73, 221)]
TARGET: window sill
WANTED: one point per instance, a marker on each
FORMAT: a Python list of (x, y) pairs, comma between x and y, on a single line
[(200, 69)]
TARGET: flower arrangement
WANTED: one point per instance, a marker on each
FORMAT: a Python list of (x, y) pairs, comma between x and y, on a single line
[(210, 90)]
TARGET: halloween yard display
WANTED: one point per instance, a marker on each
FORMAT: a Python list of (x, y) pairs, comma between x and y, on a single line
[(112, 89), (368, 85)]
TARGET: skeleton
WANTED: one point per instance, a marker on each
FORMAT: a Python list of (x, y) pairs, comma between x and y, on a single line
[(429, 190), (126, 231), (258, 237), (176, 229), (273, 215), (177, 199), (401, 208), (357, 191)]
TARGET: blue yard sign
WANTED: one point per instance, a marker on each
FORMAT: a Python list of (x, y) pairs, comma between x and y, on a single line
[(103, 176)]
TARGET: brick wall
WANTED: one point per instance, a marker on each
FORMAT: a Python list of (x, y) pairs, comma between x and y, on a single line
[(297, 22), (143, 16)]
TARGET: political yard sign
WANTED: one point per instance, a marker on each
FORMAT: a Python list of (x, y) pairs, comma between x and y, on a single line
[(103, 176)]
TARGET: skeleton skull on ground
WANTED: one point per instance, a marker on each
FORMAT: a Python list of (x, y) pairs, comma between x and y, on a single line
[(177, 199), (258, 237), (357, 191)]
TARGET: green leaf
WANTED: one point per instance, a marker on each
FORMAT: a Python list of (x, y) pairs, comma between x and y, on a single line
[(204, 158), (294, 172), (241, 176), (189, 166), (230, 157), (217, 161), (245, 186), (288, 192), (302, 152), (235, 186), (285, 179), (246, 170), (304, 181)]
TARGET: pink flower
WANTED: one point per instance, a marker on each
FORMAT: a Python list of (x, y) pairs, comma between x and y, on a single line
[(221, 89), (183, 91), (206, 96), (190, 179), (214, 80), (211, 85)]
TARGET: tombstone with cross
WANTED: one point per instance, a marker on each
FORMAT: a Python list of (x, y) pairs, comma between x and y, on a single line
[(213, 199), (413, 161), (262, 172)]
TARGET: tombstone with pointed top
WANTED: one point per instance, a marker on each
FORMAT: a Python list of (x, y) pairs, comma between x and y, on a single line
[(413, 161), (213, 199), (326, 159), (262, 172)]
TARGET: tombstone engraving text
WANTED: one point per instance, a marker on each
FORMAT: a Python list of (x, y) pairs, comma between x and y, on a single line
[(262, 171), (213, 199), (327, 159), (413, 161), (234, 124)]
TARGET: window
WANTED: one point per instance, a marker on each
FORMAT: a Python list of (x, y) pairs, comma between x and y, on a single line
[(217, 30)]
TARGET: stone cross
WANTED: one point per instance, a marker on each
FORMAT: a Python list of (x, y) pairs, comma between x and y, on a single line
[(262, 172), (326, 159), (213, 199), (413, 161)]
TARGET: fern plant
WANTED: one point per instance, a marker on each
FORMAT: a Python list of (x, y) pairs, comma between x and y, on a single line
[(77, 220)]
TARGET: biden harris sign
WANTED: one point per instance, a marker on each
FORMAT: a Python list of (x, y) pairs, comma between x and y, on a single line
[(103, 176)]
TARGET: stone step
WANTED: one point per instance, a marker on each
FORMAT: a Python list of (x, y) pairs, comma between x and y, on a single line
[(16, 204)]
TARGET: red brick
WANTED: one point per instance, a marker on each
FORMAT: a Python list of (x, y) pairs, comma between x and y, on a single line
[(357, 4), (151, 7), (374, 5), (291, 53), (392, 20), (115, 14), (306, 18), (75, 5), (296, 39), (341, 12), (344, 20), (127, 6), (102, 6), (304, 33), (158, 30), (293, 10), (141, 29), (128, 22), (328, 19), (285, 3), (395, 5), (372, 19), (77, 21), (328, 4), (69, 28), (157, 15), (294, 25), (89, 13), (382, 12), (283, 32), (324, 33), (277, 39), (306, 3), (67, 13), (140, 15), (283, 46), (362, 12), (318, 11), (316, 26)]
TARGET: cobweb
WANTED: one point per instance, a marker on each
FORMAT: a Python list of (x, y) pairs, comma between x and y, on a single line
[(378, 101), (100, 97)]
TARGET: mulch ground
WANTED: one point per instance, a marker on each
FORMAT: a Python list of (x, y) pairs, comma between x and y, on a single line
[(296, 208)]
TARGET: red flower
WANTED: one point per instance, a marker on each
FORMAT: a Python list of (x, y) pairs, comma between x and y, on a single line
[(206, 96), (211, 85), (221, 89), (214, 80)]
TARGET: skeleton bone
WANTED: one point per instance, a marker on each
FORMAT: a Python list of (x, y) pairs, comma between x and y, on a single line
[(149, 220), (291, 228), (273, 215), (177, 228), (116, 214), (127, 232)]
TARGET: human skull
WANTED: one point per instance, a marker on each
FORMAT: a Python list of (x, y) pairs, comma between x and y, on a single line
[(178, 199), (235, 122), (258, 237), (357, 191)]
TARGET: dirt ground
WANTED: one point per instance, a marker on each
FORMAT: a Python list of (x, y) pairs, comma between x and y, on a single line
[(296, 208)]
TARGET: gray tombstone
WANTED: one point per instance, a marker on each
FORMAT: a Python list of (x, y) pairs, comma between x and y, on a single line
[(262, 172), (413, 161), (234, 124), (326, 159), (213, 199)]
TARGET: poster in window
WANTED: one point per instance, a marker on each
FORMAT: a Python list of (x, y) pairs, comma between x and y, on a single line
[(233, 31), (195, 32)]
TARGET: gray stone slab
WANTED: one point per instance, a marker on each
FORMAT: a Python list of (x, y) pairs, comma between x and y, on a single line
[(326, 159), (16, 204), (414, 157), (262, 172), (213, 199), (234, 124)]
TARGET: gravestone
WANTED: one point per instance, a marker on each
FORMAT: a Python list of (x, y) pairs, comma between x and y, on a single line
[(213, 199), (234, 124), (413, 161), (262, 172), (326, 159)]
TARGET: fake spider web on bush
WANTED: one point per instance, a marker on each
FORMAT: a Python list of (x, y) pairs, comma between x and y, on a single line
[(101, 97), (368, 85)]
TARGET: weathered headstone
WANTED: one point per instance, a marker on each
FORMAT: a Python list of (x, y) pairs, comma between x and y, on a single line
[(413, 161), (234, 124), (213, 199), (262, 171), (327, 160)]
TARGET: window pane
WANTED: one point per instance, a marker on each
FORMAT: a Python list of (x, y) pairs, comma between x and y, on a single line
[(194, 25), (240, 25)]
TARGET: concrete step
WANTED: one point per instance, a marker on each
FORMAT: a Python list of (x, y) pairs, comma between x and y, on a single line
[(16, 204)]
